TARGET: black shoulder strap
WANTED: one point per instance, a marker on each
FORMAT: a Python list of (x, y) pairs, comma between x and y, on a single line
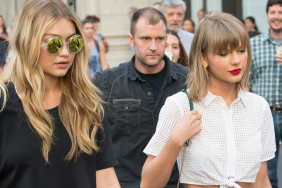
[(97, 45)]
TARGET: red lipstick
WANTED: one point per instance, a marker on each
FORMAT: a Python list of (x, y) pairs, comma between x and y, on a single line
[(235, 71)]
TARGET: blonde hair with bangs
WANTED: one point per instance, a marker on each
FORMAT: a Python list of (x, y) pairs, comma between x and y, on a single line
[(217, 32), (80, 108)]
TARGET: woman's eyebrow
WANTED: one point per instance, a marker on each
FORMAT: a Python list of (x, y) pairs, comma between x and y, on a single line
[(52, 34)]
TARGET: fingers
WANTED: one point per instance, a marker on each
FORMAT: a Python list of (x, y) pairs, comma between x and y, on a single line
[(278, 58), (190, 124), (193, 114)]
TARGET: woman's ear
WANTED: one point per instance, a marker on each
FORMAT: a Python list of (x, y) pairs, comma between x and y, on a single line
[(205, 61)]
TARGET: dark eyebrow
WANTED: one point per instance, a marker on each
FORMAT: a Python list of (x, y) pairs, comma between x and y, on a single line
[(145, 37)]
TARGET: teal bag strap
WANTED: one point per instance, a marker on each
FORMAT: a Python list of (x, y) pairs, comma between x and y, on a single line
[(188, 141), (191, 108)]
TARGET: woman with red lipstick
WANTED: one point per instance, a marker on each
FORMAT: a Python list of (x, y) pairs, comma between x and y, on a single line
[(53, 133), (226, 141)]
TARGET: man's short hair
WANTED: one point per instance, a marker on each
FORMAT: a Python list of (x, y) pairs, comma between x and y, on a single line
[(153, 16), (173, 4), (272, 2)]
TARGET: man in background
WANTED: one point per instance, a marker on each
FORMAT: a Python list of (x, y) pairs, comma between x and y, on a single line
[(174, 11), (135, 92), (266, 75)]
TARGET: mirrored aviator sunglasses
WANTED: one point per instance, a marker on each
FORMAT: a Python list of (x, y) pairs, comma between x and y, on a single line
[(54, 45)]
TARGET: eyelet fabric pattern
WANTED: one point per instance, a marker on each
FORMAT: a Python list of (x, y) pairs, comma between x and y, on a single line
[(231, 145)]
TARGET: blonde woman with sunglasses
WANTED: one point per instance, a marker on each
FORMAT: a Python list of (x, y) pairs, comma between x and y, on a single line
[(52, 130), (226, 141)]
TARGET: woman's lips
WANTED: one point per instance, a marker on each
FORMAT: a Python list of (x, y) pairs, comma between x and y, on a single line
[(235, 71), (62, 64)]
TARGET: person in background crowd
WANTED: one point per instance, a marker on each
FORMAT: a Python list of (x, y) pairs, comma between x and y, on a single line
[(97, 36), (97, 61), (266, 74), (4, 43), (174, 11), (135, 91), (131, 11), (156, 5), (53, 130), (188, 25), (250, 23), (200, 14), (230, 131), (174, 45)]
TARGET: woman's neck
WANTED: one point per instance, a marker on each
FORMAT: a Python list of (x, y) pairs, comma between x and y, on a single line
[(53, 92), (227, 91), (52, 84)]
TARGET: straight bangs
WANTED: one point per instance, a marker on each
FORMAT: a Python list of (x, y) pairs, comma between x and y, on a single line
[(226, 36), (217, 33)]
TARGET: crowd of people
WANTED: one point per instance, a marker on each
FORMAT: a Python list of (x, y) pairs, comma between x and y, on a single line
[(197, 106)]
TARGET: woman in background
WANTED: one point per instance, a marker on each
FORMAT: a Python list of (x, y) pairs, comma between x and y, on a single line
[(174, 45), (250, 23), (98, 36), (4, 43), (97, 60)]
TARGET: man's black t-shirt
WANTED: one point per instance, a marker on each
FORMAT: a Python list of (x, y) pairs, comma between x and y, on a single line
[(155, 80), (22, 164)]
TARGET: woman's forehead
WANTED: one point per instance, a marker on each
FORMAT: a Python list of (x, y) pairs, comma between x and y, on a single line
[(63, 27)]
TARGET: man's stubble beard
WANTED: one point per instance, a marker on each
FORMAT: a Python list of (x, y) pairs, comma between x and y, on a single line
[(276, 30), (143, 60), (144, 63)]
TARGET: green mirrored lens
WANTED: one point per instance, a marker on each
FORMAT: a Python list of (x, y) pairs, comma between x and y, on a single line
[(76, 44), (54, 46)]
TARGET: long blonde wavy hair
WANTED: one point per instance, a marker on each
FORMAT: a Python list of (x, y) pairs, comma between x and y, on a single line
[(80, 108), (216, 32)]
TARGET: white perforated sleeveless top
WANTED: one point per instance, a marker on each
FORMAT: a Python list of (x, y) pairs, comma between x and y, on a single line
[(231, 145)]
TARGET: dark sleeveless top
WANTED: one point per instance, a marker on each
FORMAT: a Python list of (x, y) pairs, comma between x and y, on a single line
[(4, 45)]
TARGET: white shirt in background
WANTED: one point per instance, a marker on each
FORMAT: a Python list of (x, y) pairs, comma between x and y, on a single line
[(186, 39)]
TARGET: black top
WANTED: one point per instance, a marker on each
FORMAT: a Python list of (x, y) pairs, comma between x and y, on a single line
[(21, 161), (133, 115), (155, 80)]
